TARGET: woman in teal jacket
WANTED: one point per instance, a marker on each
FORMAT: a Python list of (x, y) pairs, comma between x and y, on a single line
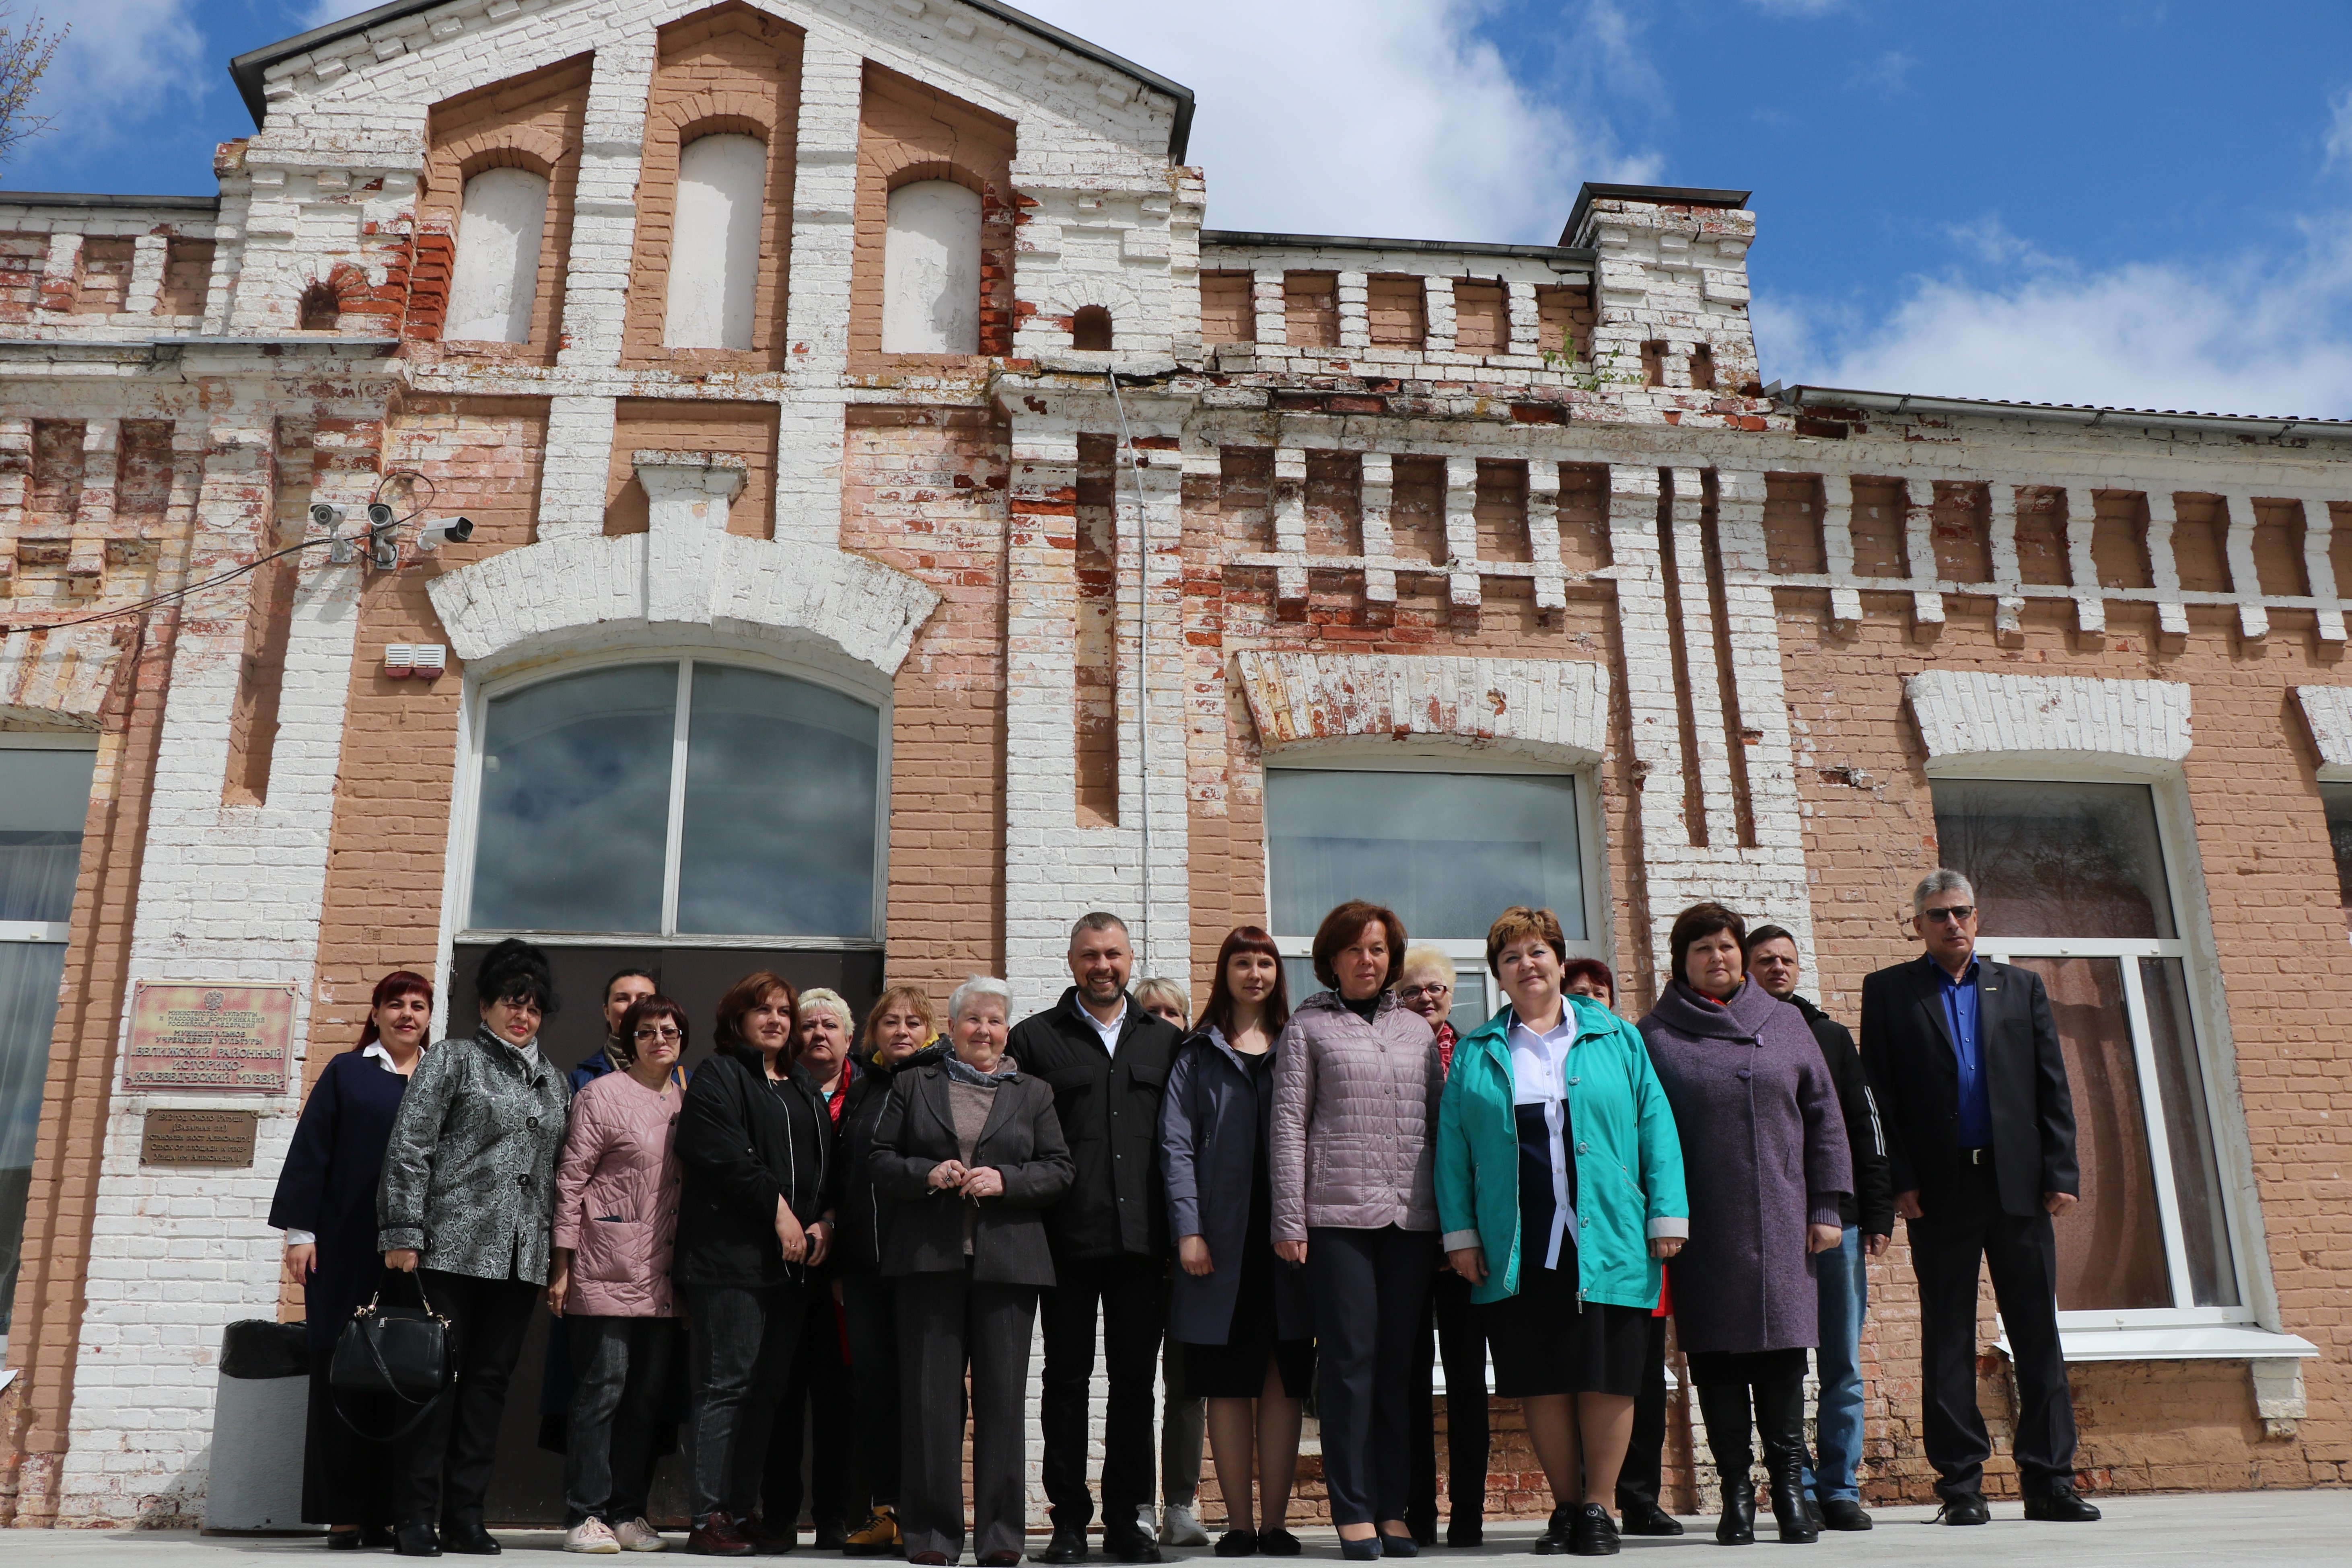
[(1559, 1192)]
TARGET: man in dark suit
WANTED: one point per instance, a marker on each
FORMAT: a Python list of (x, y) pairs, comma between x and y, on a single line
[(1107, 1060), (1981, 1148)]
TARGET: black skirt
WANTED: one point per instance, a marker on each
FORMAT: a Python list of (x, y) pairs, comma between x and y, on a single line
[(1543, 1343), (1236, 1369)]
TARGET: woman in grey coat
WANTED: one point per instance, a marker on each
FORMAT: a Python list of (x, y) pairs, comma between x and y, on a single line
[(1242, 1318), (1766, 1166), (466, 1204), (971, 1150), (1354, 1163)]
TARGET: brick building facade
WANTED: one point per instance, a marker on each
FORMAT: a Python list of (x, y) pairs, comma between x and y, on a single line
[(831, 604)]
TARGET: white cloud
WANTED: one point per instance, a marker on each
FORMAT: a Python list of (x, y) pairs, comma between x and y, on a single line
[(1383, 117), (126, 63), (2254, 334), (2336, 140)]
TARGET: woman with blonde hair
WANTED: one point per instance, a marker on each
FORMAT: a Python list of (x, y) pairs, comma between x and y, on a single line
[(900, 1034)]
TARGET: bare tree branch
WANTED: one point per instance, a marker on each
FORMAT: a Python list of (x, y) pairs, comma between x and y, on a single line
[(25, 52)]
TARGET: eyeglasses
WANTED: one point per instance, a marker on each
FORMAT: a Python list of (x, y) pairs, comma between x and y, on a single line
[(1954, 915), (1414, 993), (657, 1034)]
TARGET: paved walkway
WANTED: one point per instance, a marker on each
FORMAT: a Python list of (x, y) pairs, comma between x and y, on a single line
[(2306, 1530)]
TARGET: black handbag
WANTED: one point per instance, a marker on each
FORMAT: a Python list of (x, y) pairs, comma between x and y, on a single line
[(401, 1354)]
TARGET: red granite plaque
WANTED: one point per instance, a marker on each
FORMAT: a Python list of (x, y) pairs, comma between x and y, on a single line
[(225, 1040)]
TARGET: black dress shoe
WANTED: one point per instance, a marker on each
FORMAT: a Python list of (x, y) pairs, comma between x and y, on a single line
[(1649, 1518), (1593, 1534), (2059, 1505), (469, 1536), (373, 1537), (1131, 1547), (1237, 1543), (833, 1536), (344, 1540), (1462, 1532), (1839, 1513), (1278, 1543), (1968, 1508), (1067, 1546), (1559, 1533), (416, 1541)]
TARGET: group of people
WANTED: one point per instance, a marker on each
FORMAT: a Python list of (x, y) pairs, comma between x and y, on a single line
[(1266, 1205)]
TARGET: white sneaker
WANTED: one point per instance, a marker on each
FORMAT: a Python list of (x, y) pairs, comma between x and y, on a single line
[(1180, 1527), (637, 1535), (590, 1535), (1147, 1520)]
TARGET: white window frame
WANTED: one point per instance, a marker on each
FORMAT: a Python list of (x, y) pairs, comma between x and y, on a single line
[(466, 820), (1468, 953), (2241, 1217), (58, 932)]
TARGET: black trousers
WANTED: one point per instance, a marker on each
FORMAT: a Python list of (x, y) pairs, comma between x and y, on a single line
[(817, 1394), (948, 1323), (741, 1345), (869, 1302), (1133, 1294), (1369, 1288), (1968, 1230), (449, 1455), (620, 1378), (1461, 1344), (348, 1479), (1643, 1471)]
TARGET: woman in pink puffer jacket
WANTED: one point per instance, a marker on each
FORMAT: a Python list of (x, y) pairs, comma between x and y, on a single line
[(617, 1198), (1357, 1082)]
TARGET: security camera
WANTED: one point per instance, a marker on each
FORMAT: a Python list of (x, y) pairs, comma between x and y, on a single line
[(383, 545), (330, 518), (433, 534), (323, 516)]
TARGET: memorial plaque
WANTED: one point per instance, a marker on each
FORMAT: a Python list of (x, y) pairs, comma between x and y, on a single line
[(227, 1039), (198, 1138)]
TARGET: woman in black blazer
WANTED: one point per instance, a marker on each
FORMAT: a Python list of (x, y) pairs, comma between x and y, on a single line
[(972, 1152), (756, 1143)]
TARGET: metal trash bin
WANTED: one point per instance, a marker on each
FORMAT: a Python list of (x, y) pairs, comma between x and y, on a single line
[(260, 1411)]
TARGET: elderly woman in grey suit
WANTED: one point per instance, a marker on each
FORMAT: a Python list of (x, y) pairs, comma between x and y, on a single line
[(466, 1204), (971, 1150)]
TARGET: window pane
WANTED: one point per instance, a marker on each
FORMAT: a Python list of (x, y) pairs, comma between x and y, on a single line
[(44, 796), (2056, 860), (781, 782), (29, 973), (2188, 1132), (1448, 851), (574, 820), (2337, 798), (2111, 1247)]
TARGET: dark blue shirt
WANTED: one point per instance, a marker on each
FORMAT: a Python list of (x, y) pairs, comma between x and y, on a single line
[(1961, 1020)]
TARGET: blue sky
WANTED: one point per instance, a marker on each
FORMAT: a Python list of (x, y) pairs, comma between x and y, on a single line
[(2101, 201)]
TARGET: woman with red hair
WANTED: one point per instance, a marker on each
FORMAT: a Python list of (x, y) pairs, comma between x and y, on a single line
[(326, 1204)]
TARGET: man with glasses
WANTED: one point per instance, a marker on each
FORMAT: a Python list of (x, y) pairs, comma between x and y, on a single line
[(1964, 1055)]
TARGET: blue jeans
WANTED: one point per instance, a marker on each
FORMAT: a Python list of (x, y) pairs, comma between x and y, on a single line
[(1843, 1280)]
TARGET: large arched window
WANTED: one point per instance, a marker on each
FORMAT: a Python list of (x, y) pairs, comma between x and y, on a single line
[(714, 252), (930, 270), (495, 282), (678, 799)]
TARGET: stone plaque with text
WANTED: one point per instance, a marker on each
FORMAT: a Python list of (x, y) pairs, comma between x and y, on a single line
[(198, 1138), (227, 1039)]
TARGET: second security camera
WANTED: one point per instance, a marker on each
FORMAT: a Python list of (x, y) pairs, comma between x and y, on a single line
[(433, 533)]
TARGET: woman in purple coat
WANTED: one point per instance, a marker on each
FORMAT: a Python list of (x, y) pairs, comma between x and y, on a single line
[(326, 1204), (1765, 1161)]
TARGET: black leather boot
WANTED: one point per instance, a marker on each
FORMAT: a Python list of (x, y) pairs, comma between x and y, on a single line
[(1725, 1407), (1780, 1422)]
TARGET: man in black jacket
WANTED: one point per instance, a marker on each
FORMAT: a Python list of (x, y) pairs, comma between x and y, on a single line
[(1965, 1058), (1107, 1060), (1868, 1214)]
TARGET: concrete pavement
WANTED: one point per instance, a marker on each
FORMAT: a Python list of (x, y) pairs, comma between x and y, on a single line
[(2306, 1530)]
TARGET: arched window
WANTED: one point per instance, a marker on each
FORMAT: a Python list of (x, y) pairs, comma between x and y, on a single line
[(930, 270), (683, 798), (495, 283), (714, 249), (1090, 328)]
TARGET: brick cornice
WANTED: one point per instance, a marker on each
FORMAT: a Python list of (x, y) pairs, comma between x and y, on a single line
[(1968, 714)]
